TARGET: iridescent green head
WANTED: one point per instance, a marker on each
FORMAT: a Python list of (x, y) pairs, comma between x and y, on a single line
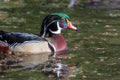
[(54, 23), (62, 15)]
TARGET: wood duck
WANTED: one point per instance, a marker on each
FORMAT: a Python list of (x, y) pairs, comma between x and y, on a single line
[(4, 48), (49, 40)]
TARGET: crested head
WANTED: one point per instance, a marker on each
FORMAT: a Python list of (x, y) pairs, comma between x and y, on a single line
[(62, 15), (54, 23)]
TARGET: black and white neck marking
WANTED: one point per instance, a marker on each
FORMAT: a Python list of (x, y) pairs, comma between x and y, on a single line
[(58, 31), (45, 28), (52, 28)]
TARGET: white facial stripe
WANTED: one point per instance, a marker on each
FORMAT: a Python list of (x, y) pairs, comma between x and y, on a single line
[(45, 28), (58, 31), (44, 32)]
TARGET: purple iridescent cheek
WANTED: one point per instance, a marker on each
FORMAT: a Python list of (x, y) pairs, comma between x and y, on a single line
[(63, 24)]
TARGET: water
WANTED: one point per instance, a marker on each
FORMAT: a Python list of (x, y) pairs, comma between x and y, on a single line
[(33, 60)]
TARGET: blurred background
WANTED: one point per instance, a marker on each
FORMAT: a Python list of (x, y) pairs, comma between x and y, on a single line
[(94, 48)]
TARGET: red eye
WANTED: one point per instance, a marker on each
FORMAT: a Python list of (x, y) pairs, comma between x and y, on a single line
[(62, 19)]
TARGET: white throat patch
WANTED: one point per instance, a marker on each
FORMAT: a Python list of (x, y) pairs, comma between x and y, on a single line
[(58, 31)]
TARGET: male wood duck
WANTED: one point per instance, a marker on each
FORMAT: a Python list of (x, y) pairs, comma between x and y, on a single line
[(49, 40)]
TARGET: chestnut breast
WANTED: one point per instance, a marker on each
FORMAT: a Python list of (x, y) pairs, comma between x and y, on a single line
[(59, 43)]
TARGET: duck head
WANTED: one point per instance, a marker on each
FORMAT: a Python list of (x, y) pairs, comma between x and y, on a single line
[(54, 23)]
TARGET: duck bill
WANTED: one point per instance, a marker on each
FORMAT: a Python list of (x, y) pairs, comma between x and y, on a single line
[(70, 26)]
